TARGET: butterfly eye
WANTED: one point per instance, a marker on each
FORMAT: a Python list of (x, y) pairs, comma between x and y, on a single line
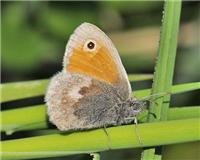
[(90, 46)]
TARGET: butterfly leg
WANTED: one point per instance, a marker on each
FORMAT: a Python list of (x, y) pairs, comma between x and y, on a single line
[(136, 129), (108, 137)]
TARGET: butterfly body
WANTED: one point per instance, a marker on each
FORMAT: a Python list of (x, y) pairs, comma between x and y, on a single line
[(92, 90)]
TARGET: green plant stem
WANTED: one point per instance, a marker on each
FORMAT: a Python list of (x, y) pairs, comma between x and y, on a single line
[(157, 157), (183, 113), (157, 133), (180, 88), (36, 118), (164, 70), (28, 118), (32, 88), (19, 90), (13, 120), (140, 77)]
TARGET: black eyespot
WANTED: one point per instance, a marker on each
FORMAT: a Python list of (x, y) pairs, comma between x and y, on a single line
[(91, 45)]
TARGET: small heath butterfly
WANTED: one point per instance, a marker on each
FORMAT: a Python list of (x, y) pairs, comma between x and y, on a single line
[(93, 89)]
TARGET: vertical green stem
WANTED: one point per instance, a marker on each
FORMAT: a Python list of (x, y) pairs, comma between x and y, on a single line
[(166, 58), (164, 70)]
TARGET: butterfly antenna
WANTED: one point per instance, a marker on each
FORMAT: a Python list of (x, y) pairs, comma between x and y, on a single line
[(149, 99), (153, 114), (155, 96)]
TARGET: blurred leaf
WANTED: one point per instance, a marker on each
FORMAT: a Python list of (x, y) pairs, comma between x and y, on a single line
[(132, 6), (22, 46), (184, 151), (62, 23), (148, 154), (140, 77)]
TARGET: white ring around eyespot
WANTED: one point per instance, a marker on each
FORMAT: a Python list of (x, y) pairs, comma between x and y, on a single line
[(85, 47)]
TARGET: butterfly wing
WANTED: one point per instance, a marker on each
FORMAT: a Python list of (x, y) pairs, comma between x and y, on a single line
[(93, 83), (102, 62), (78, 102)]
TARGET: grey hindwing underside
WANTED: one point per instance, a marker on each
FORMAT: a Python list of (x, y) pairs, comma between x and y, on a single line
[(107, 107), (78, 102)]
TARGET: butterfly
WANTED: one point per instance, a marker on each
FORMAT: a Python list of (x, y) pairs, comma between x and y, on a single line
[(92, 90)]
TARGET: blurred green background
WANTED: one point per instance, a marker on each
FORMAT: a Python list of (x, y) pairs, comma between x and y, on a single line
[(34, 35)]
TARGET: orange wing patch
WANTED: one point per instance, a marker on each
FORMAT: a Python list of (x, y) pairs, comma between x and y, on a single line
[(99, 65)]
